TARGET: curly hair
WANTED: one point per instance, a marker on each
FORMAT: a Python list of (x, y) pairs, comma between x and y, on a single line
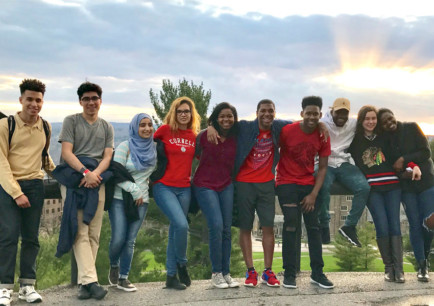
[(213, 118), (311, 100), (170, 118), (88, 86), (33, 85)]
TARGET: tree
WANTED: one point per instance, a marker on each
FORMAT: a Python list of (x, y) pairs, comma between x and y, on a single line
[(352, 258), (170, 92)]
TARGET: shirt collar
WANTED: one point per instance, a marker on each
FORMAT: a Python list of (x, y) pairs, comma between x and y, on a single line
[(21, 123)]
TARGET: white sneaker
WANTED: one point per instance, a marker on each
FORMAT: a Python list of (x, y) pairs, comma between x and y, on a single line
[(230, 281), (5, 297), (29, 294), (218, 281)]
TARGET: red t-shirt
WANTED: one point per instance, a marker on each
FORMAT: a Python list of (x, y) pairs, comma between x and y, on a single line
[(179, 150), (297, 155), (257, 166)]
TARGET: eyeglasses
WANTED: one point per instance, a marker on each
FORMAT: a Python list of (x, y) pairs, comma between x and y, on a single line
[(88, 99), (185, 112)]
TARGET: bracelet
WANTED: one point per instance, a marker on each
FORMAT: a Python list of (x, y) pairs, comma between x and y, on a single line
[(82, 170), (86, 172)]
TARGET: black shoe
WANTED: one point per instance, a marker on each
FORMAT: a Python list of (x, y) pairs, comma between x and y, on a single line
[(325, 235), (172, 282), (322, 281), (289, 282), (183, 275), (422, 273), (83, 292), (113, 276), (350, 233), (97, 291)]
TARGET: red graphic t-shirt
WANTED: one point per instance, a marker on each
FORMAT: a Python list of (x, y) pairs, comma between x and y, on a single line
[(257, 166), (179, 150), (297, 155)]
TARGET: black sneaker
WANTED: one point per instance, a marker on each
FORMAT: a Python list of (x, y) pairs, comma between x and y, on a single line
[(325, 235), (289, 282), (349, 232), (83, 292), (322, 281), (183, 275), (113, 275), (172, 282), (96, 291), (125, 285)]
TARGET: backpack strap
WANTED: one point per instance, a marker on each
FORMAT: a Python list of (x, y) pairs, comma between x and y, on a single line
[(47, 143), (11, 126)]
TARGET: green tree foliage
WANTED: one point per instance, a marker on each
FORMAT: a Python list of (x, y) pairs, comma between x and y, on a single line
[(50, 270), (170, 92), (351, 258)]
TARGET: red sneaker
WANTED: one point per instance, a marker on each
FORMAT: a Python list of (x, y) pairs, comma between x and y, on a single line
[(270, 278), (251, 279)]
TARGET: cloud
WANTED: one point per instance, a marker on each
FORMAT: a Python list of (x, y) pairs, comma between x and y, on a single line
[(128, 47)]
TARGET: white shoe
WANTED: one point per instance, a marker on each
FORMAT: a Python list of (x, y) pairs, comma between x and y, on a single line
[(29, 294), (218, 281), (230, 281), (5, 297)]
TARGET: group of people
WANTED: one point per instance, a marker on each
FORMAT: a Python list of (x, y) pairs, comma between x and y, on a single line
[(242, 163)]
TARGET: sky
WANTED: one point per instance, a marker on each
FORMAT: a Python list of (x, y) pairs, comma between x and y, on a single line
[(371, 52)]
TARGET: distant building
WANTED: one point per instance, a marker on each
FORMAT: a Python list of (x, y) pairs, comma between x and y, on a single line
[(51, 214)]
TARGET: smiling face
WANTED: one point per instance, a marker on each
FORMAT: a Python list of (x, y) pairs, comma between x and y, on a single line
[(32, 102), (183, 115), (265, 115), (311, 115), (388, 122), (146, 128), (370, 122), (340, 117), (226, 119), (91, 103)]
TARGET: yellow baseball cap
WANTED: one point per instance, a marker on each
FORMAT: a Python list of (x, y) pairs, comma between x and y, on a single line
[(341, 103)]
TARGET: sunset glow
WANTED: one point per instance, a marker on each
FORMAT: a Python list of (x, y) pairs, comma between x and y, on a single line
[(399, 79)]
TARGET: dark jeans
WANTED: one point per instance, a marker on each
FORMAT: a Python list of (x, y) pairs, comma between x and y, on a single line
[(384, 208), (419, 206), (290, 194), (15, 221), (217, 208), (352, 178)]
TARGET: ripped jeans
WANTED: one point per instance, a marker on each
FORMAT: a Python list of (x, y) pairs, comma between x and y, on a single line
[(290, 196)]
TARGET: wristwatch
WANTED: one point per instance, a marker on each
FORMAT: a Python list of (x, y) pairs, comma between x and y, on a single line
[(84, 171)]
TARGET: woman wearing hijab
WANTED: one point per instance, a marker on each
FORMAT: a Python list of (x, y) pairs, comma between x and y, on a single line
[(138, 156)]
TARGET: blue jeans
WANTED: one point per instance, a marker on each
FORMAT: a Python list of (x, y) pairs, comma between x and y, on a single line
[(217, 207), (418, 207), (174, 203), (352, 178), (384, 208), (124, 233)]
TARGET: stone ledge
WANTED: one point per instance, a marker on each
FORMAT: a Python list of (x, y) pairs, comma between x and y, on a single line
[(351, 288)]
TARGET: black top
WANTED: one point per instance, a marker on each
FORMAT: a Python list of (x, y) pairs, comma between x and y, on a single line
[(374, 159), (410, 142)]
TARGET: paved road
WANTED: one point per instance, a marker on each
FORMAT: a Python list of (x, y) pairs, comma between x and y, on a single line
[(362, 288)]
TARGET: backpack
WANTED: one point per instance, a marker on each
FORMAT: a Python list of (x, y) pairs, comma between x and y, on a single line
[(11, 126)]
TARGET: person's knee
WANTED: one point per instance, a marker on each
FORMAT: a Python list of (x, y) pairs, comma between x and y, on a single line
[(181, 226)]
